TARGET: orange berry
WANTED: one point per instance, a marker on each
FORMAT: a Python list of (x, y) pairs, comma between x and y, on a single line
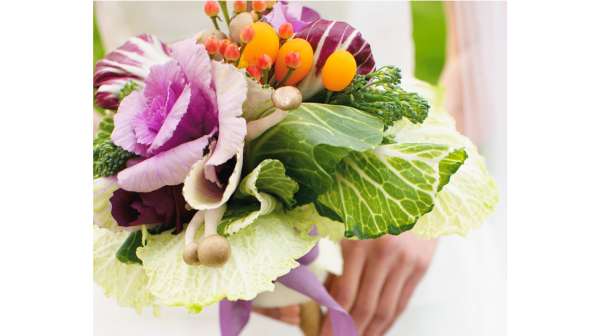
[(239, 6), (259, 6), (232, 52), (286, 30), (247, 34), (223, 45), (254, 71), (265, 41), (211, 8), (338, 71), (292, 59), (305, 52), (264, 62), (212, 45)]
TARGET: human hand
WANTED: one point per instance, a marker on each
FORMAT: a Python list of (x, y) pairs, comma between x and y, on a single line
[(288, 314), (378, 280), (379, 277)]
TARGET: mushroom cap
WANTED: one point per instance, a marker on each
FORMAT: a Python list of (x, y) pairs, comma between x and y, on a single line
[(238, 23), (287, 98), (190, 254), (202, 36), (213, 251)]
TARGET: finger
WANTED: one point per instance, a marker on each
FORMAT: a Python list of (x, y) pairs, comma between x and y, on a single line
[(329, 281), (409, 289), (371, 284), (327, 329), (288, 314), (345, 287), (388, 301)]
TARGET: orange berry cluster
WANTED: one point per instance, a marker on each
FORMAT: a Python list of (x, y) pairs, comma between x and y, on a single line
[(211, 8), (226, 49), (265, 49), (271, 56)]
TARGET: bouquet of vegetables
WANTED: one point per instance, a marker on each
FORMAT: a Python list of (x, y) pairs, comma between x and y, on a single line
[(231, 163)]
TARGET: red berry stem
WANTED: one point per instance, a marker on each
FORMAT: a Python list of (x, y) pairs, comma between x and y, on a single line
[(214, 21), (223, 5), (287, 76)]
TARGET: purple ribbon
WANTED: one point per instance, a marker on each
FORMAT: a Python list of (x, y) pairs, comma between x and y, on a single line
[(234, 315)]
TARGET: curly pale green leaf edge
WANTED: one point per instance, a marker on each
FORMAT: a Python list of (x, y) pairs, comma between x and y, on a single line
[(258, 194), (387, 190), (124, 282), (104, 187), (471, 194), (305, 217), (260, 253)]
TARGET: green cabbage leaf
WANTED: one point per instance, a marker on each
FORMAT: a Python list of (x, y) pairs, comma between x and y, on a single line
[(388, 189), (127, 283), (312, 140), (260, 253), (259, 193), (471, 195)]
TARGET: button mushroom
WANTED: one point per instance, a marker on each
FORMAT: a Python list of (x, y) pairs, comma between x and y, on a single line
[(202, 36), (212, 250), (285, 98), (238, 23)]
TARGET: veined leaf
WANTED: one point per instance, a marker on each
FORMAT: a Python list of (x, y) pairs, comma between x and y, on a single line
[(127, 252), (305, 217), (256, 196), (312, 140), (269, 176), (471, 194), (104, 187), (387, 190), (125, 282), (260, 253)]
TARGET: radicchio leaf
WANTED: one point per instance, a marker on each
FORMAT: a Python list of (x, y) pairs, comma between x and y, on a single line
[(325, 37), (130, 63)]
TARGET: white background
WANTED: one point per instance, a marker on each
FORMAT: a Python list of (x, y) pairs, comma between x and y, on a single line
[(553, 277)]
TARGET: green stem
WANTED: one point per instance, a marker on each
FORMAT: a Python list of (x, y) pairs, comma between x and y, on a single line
[(265, 76), (328, 97), (214, 21), (285, 78), (223, 5)]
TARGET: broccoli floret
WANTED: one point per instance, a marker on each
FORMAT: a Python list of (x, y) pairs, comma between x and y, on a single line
[(380, 94), (109, 158)]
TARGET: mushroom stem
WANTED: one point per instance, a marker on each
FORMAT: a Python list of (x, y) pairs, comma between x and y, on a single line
[(212, 219), (213, 250), (256, 128), (193, 226), (190, 249)]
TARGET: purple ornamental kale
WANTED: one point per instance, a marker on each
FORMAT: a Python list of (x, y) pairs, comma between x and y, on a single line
[(296, 14), (184, 100), (165, 206)]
